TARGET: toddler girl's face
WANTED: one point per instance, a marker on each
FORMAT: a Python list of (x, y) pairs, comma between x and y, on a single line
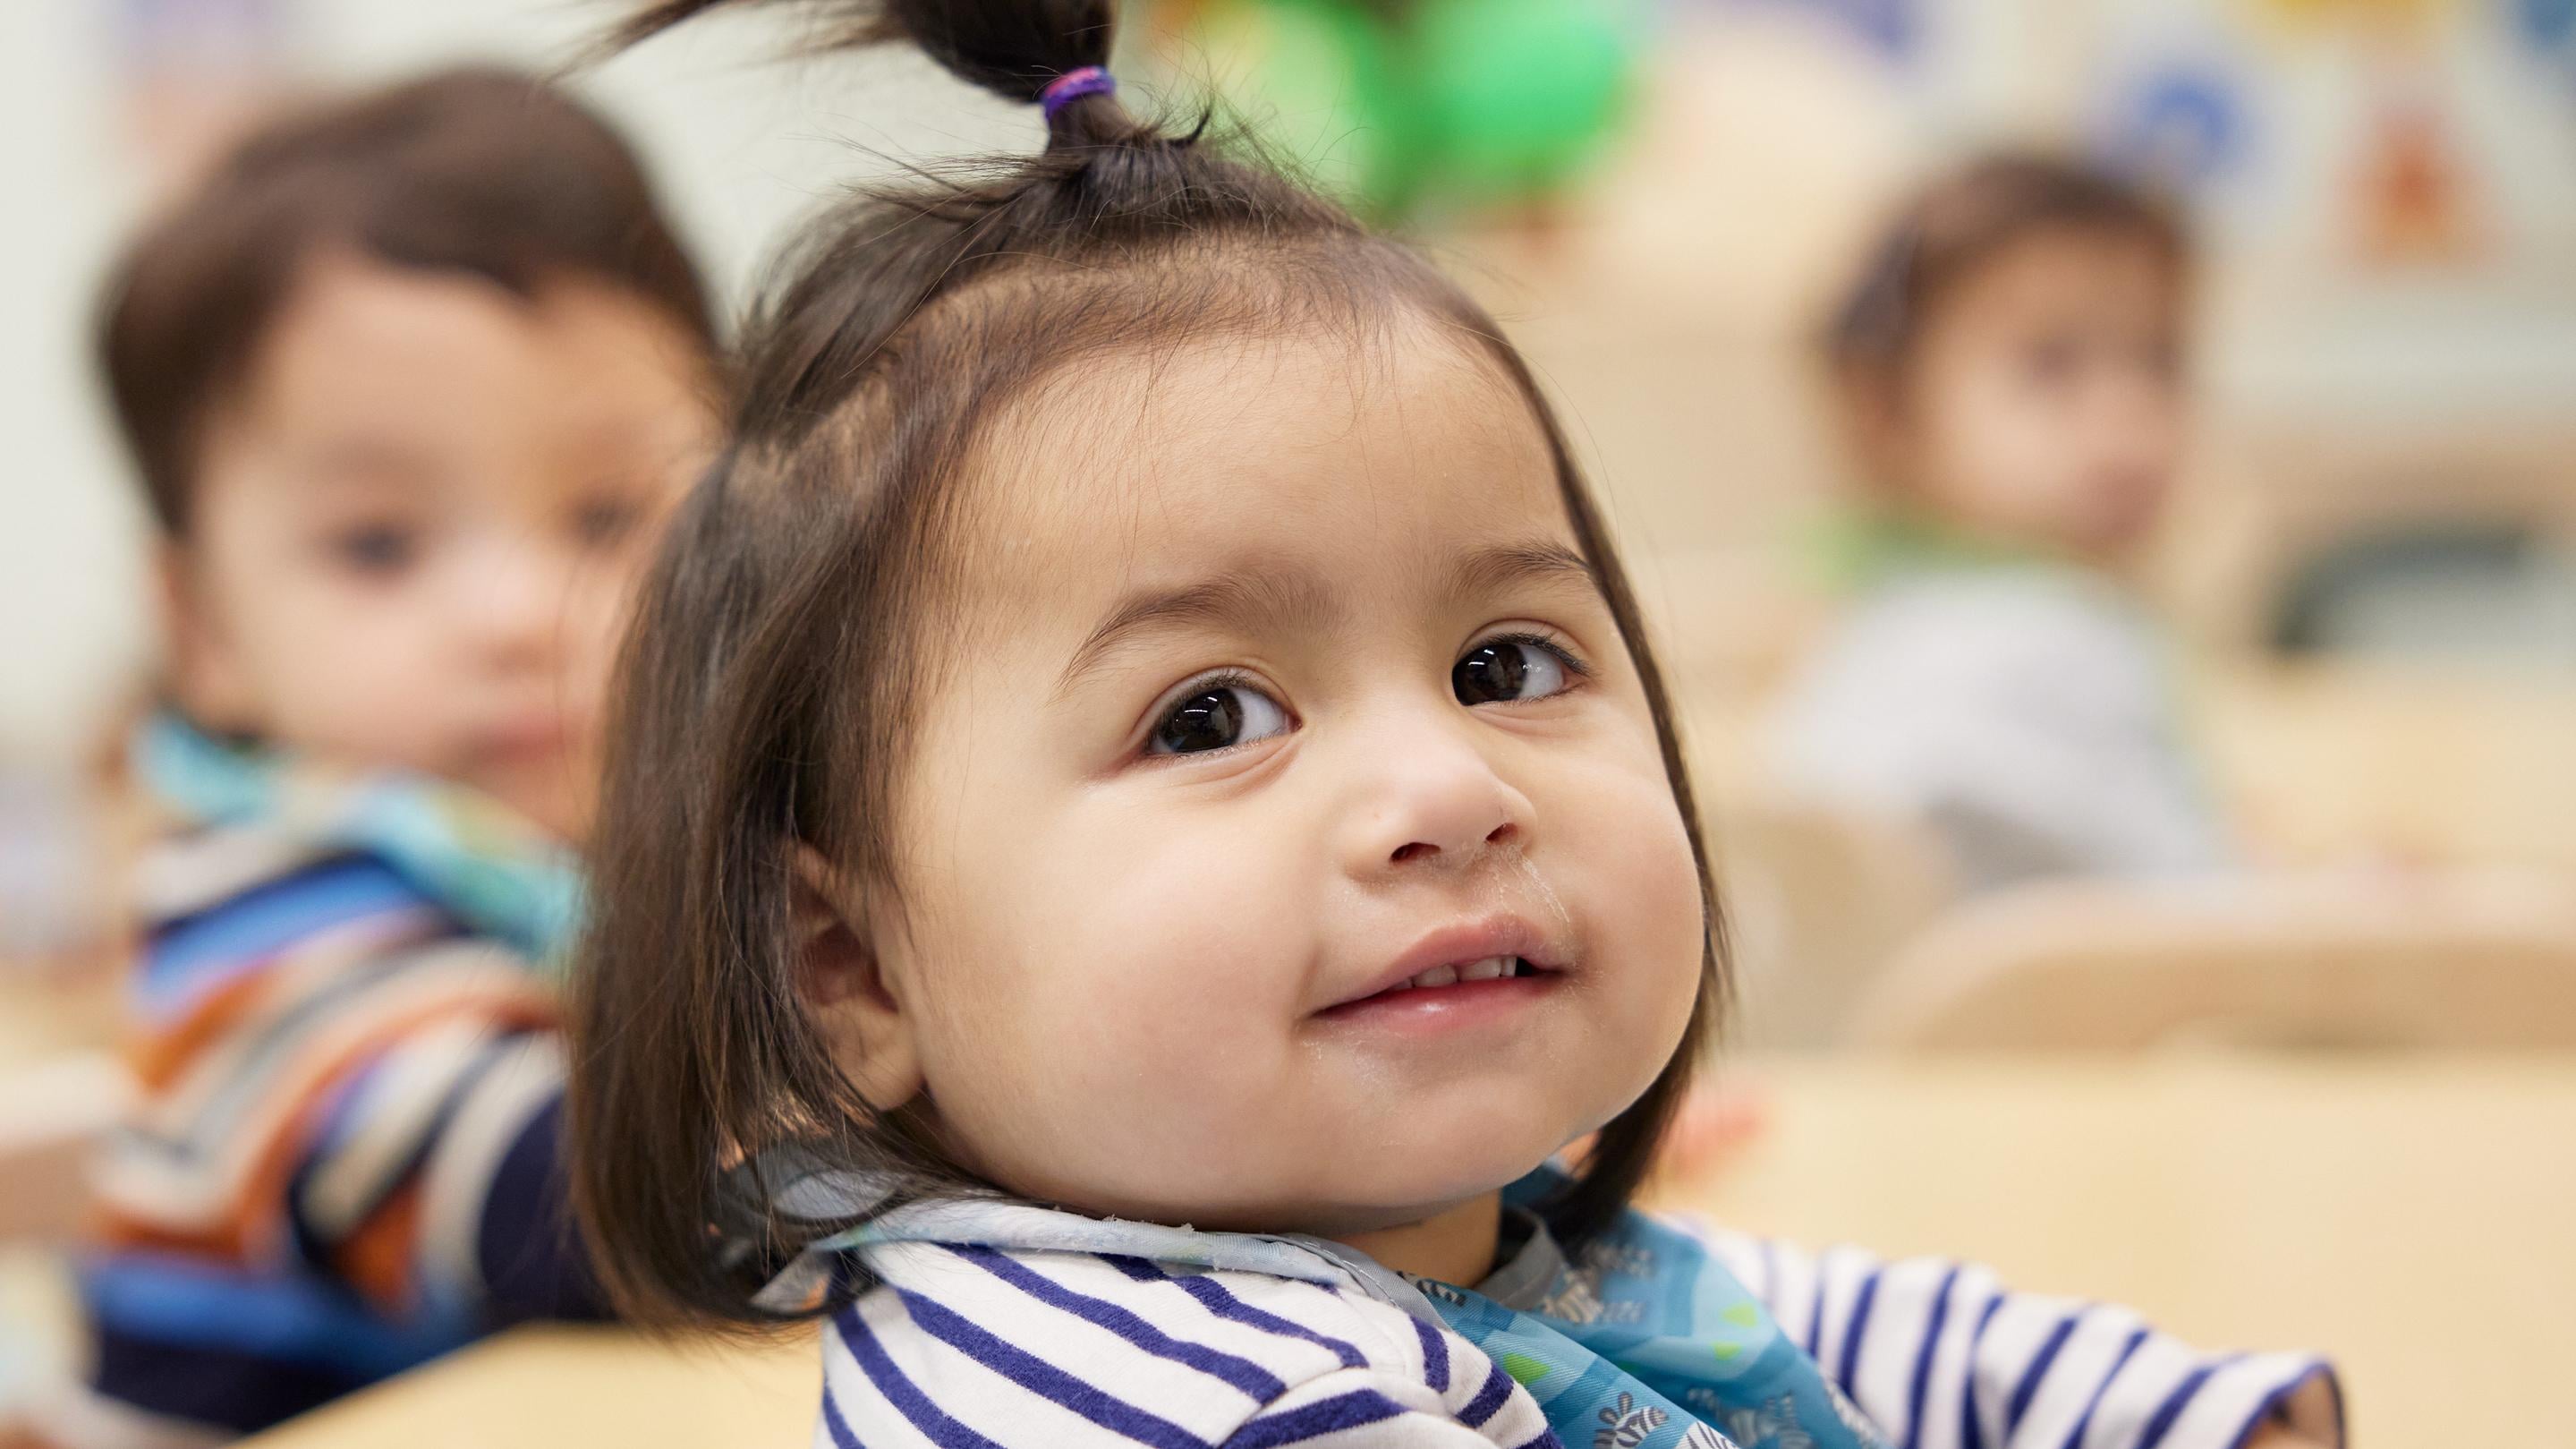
[(416, 528), (1273, 683)]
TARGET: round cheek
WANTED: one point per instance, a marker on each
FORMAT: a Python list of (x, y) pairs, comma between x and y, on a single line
[(1993, 457), (1641, 888), (1113, 1022), (329, 673)]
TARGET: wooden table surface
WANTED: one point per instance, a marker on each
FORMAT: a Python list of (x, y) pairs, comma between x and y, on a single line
[(2416, 1218), (571, 1388)]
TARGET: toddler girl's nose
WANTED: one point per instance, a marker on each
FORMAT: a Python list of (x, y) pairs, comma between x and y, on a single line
[(1430, 799), (1418, 850)]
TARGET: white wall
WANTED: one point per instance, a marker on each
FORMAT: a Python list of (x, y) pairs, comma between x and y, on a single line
[(68, 577)]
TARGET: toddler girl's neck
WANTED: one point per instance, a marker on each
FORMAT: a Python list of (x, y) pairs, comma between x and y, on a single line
[(1455, 1246)]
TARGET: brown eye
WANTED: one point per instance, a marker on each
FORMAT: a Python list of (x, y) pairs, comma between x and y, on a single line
[(1217, 716), (1499, 671)]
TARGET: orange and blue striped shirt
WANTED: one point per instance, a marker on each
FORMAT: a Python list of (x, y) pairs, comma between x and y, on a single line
[(344, 1157)]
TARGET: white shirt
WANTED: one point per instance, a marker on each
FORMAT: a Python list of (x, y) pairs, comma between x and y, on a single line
[(2024, 713)]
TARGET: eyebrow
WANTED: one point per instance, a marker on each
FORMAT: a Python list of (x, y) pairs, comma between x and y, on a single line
[(1278, 598), (1238, 599), (339, 464), (1539, 561)]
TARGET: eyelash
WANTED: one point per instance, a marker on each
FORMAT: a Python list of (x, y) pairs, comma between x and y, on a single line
[(1575, 665), (1208, 683)]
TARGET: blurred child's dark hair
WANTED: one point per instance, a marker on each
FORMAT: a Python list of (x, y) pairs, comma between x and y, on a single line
[(767, 693), (1964, 220), (476, 170)]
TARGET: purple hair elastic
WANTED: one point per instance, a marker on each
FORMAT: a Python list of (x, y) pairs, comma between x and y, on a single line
[(1073, 85)]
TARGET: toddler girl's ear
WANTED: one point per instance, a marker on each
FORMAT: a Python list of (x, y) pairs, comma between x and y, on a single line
[(850, 999)]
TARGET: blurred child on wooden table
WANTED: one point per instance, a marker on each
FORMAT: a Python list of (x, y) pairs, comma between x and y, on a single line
[(2012, 365), (410, 381)]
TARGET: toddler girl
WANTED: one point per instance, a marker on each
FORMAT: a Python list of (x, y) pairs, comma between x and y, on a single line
[(1143, 817)]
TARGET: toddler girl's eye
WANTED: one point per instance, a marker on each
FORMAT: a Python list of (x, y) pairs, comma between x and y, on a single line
[(1217, 717), (1501, 670)]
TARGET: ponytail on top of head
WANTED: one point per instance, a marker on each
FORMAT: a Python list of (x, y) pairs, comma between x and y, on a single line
[(767, 693), (1012, 48), (1108, 188)]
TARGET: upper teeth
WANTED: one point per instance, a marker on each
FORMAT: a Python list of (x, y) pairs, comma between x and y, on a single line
[(1492, 968)]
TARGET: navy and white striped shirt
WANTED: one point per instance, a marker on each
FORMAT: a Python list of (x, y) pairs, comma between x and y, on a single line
[(1021, 1328)]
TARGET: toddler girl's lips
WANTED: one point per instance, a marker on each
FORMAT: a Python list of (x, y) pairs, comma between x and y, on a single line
[(1457, 976), (1433, 1010)]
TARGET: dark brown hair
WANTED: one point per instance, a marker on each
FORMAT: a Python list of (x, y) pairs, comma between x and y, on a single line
[(475, 170), (767, 690), (1961, 222)]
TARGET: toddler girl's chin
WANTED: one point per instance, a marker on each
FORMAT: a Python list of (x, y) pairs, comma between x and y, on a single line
[(1398, 1204)]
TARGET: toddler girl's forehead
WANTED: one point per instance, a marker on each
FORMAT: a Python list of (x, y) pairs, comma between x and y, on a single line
[(1225, 450)]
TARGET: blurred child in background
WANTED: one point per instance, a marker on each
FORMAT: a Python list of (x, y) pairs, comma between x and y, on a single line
[(2012, 368), (409, 381)]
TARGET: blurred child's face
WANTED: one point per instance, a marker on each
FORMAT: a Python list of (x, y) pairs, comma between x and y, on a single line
[(415, 529), (1276, 682), (2043, 401)]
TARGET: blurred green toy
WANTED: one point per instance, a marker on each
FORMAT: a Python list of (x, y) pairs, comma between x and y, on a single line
[(1400, 106)]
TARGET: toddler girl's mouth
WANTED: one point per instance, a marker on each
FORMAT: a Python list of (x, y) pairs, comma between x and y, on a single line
[(1455, 975)]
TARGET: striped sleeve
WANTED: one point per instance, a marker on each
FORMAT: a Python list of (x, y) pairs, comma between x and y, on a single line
[(1941, 1356)]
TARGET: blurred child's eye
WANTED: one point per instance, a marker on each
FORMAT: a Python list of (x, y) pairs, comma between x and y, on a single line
[(1217, 714), (605, 521), (2053, 361), (2162, 361), (377, 549), (1501, 670)]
